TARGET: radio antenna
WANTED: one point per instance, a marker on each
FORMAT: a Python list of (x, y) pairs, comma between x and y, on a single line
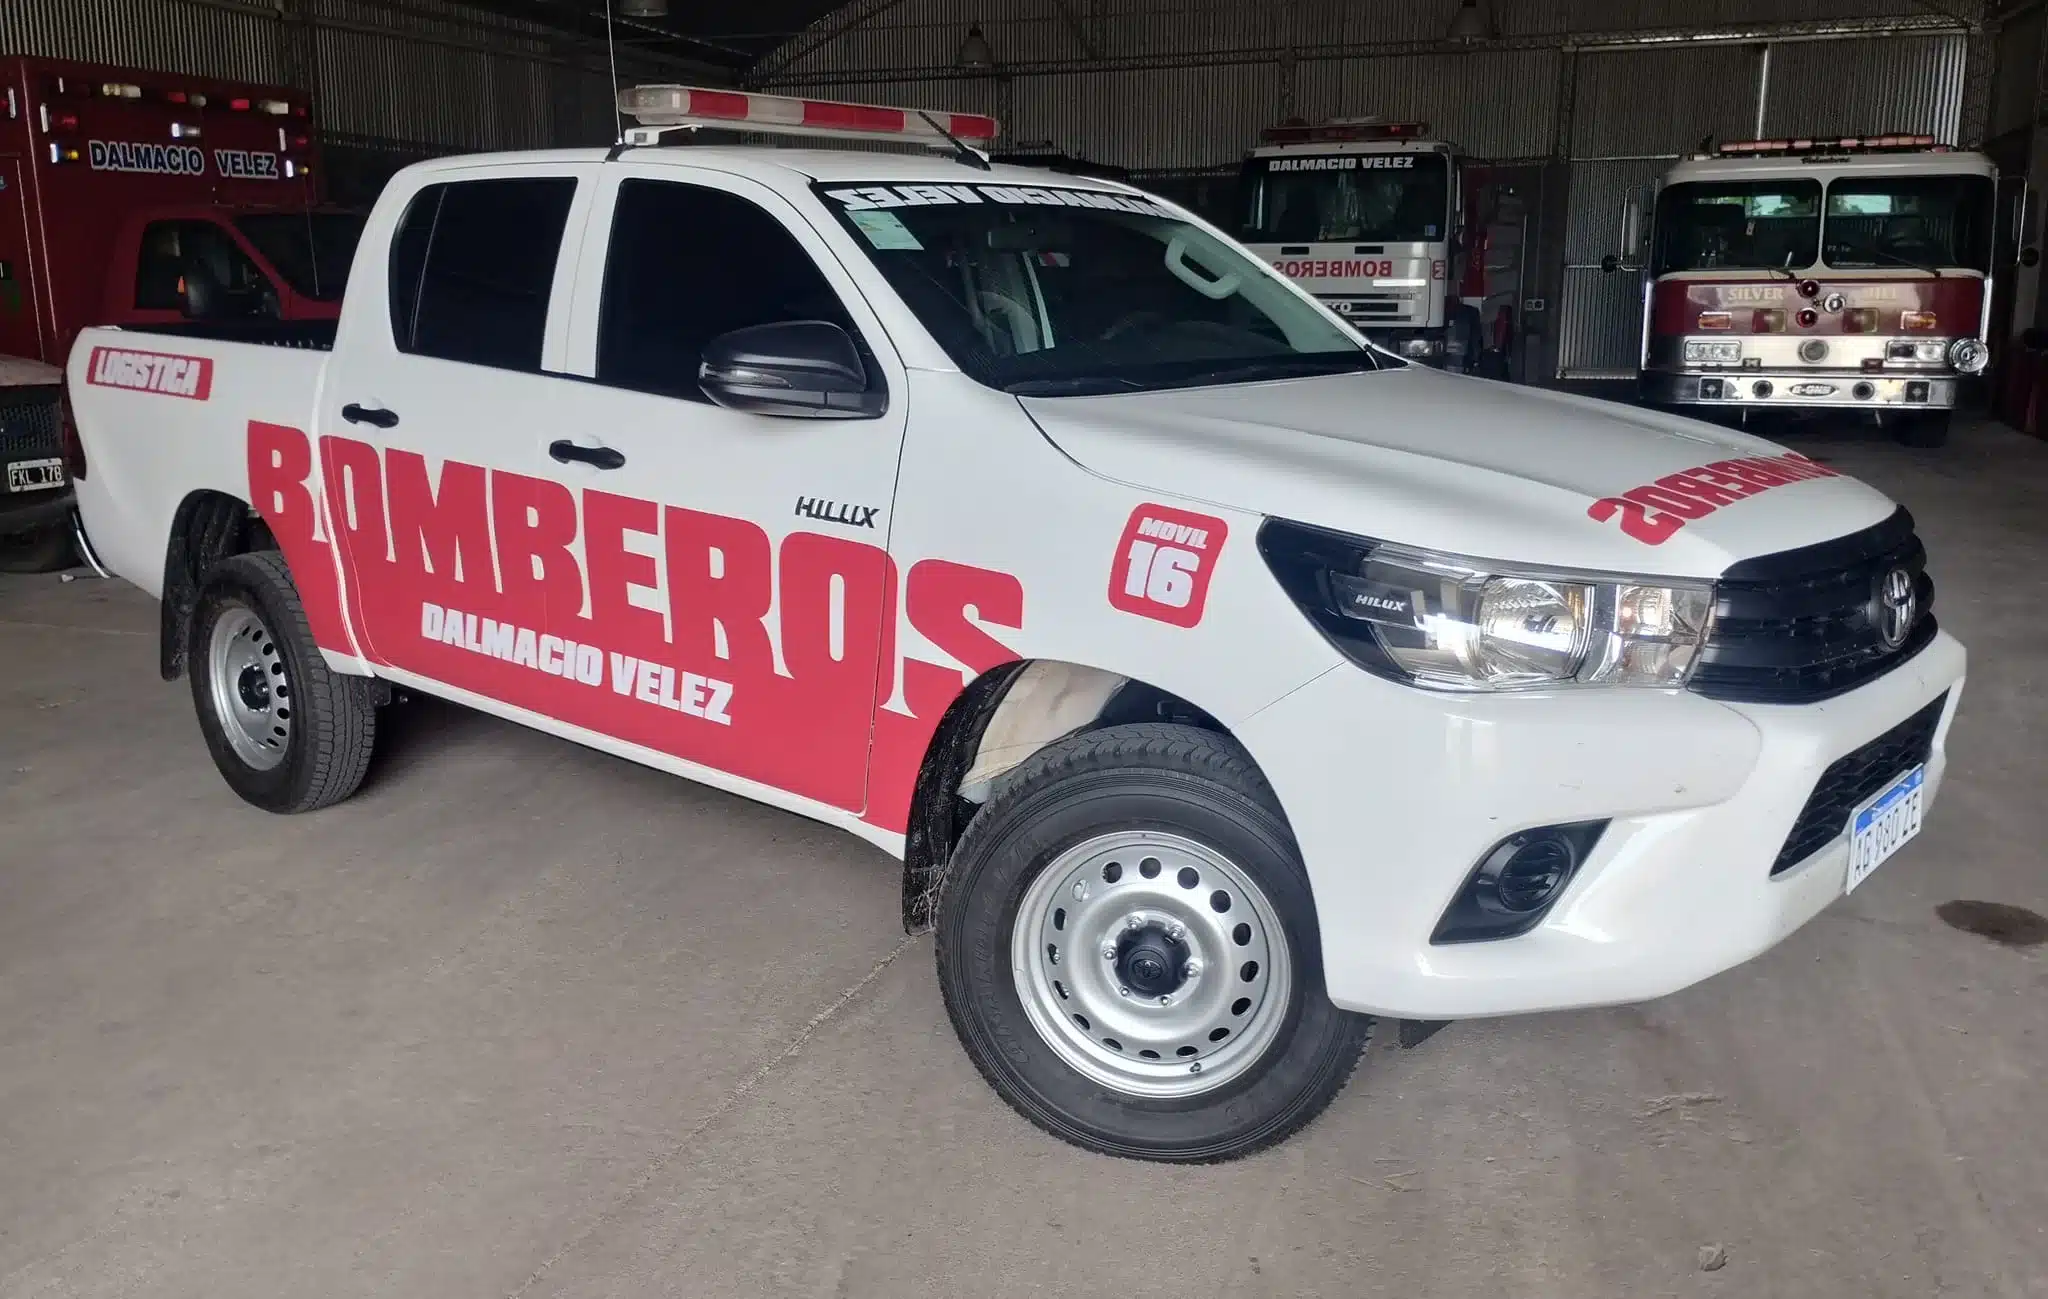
[(611, 54)]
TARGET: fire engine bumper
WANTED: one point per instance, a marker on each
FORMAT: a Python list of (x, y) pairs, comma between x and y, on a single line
[(1695, 801), (1800, 389)]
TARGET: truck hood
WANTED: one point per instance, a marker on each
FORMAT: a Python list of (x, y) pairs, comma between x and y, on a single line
[(20, 372), (1468, 466)]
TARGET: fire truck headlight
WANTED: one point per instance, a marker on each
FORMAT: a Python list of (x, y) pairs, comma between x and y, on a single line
[(1968, 355), (1910, 352), (1713, 351)]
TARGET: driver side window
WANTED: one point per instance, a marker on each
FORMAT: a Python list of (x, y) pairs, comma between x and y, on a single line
[(197, 266), (686, 264)]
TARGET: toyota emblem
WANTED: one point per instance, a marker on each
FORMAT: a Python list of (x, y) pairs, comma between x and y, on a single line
[(1897, 602)]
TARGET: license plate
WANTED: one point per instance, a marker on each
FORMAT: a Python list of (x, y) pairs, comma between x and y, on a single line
[(35, 475), (1885, 824)]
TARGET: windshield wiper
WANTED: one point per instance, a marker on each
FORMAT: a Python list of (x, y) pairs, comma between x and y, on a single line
[(1073, 385), (1872, 250)]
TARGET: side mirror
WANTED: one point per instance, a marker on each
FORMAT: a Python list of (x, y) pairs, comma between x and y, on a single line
[(1610, 264), (808, 369)]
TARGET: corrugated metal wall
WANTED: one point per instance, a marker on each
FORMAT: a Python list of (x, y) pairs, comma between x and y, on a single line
[(424, 75)]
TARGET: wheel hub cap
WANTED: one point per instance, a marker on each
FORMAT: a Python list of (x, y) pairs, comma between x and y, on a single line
[(250, 689), (1151, 964)]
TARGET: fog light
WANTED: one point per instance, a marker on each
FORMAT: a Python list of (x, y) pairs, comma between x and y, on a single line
[(1516, 882), (1863, 391), (1761, 389)]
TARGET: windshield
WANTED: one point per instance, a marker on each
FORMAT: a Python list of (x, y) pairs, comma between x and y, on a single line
[(1345, 198), (1926, 221), (1742, 225), (1061, 291), (312, 250)]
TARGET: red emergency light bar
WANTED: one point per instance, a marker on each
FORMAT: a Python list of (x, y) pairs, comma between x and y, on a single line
[(671, 106), (1795, 146), (1342, 128)]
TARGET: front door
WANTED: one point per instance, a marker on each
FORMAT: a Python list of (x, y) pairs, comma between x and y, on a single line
[(739, 582)]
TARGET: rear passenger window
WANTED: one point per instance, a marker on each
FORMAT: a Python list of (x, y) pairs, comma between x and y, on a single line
[(472, 266), (687, 264)]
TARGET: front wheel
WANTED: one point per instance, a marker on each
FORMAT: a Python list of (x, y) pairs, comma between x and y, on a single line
[(1129, 953)]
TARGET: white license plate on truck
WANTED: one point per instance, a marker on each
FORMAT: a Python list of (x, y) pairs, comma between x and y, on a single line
[(35, 475), (1885, 824)]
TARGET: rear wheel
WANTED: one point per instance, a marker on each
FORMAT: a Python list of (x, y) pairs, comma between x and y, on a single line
[(1129, 952), (1922, 428), (287, 734)]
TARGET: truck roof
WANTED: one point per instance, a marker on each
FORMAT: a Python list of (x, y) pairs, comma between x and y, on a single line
[(826, 165), (1824, 165)]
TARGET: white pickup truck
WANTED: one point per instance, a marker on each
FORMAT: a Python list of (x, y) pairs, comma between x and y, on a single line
[(1223, 682)]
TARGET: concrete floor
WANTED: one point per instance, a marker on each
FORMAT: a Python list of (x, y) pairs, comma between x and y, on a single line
[(525, 1020)]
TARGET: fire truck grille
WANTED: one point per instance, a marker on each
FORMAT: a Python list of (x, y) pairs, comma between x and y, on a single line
[(28, 425), (1808, 624)]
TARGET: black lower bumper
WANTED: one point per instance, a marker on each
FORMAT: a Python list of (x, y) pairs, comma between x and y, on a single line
[(28, 511)]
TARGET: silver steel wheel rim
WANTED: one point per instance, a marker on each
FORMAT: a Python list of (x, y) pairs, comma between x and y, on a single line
[(252, 695), (1072, 939)]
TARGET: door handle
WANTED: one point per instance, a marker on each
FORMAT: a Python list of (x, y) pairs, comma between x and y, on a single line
[(564, 450), (375, 415)]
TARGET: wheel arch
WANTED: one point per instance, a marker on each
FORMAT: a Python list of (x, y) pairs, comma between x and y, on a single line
[(208, 527), (1003, 717)]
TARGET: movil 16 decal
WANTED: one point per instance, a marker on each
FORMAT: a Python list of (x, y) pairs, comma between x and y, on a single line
[(692, 633)]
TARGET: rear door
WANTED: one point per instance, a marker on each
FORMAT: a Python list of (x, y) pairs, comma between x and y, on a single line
[(738, 578), (457, 533)]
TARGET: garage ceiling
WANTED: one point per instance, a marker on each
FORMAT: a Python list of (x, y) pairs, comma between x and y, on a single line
[(729, 36)]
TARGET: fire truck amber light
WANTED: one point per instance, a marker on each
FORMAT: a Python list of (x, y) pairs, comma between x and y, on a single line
[(1446, 623), (1767, 320), (1920, 321), (1717, 320), (1713, 351)]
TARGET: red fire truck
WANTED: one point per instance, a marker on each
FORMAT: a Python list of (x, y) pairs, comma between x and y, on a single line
[(130, 197), (1838, 276), (1367, 215)]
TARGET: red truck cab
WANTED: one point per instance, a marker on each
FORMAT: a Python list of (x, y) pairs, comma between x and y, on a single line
[(143, 198), (1840, 276)]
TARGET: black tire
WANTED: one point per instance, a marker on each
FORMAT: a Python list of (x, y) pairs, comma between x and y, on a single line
[(332, 718), (1196, 785), (46, 549), (1922, 428)]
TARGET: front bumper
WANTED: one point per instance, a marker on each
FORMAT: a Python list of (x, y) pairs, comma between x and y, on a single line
[(1801, 389), (1394, 793)]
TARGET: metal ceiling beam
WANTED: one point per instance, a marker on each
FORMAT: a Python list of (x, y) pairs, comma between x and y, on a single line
[(1588, 42), (820, 33)]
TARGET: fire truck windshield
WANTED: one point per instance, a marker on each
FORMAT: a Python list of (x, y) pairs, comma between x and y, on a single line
[(1346, 198), (312, 250), (1926, 221), (1738, 225)]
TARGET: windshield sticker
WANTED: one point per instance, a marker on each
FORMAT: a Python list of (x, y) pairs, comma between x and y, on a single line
[(1655, 511), (1164, 562), (867, 198), (885, 230)]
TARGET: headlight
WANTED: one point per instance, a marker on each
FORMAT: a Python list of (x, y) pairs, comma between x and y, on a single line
[(1422, 347), (1449, 623), (1927, 351), (1968, 355), (1713, 351)]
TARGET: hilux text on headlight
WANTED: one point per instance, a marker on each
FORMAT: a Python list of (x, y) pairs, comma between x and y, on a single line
[(1713, 351), (1450, 623)]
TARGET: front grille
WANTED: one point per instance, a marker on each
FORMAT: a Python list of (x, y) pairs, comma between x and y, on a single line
[(1804, 625), (28, 425), (1850, 780)]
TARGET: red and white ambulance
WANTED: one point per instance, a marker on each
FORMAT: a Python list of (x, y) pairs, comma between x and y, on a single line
[(1222, 681), (1844, 275), (133, 197), (1366, 215)]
